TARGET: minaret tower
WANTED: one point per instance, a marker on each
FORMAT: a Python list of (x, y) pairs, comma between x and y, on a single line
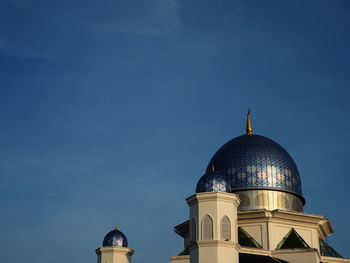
[(213, 220), (114, 248)]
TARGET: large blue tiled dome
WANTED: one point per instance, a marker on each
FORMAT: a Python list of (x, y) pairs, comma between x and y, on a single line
[(115, 238), (256, 162)]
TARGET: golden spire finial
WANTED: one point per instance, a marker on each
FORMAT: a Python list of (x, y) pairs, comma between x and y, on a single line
[(116, 228), (212, 168), (249, 130)]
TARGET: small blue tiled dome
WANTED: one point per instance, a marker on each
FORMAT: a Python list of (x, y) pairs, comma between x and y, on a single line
[(214, 182), (115, 238)]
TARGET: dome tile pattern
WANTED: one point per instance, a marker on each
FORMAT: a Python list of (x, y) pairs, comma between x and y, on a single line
[(214, 182), (254, 161), (115, 238)]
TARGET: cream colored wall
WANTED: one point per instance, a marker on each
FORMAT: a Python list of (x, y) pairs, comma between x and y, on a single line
[(270, 227), (180, 259), (216, 205), (225, 253), (105, 258), (114, 255), (277, 232), (212, 251), (259, 232), (266, 227), (273, 227), (212, 205), (297, 256), (217, 210), (208, 254)]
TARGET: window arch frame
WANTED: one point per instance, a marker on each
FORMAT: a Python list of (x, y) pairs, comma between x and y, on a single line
[(207, 228), (225, 228)]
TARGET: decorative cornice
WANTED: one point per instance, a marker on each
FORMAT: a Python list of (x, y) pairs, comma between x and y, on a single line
[(294, 251), (325, 228), (255, 251), (213, 196), (182, 257), (289, 214), (262, 213), (211, 243), (119, 250), (334, 259), (280, 214)]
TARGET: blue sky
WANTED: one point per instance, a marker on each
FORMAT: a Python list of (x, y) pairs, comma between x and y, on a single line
[(111, 110)]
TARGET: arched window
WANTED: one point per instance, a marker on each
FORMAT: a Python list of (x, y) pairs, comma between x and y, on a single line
[(193, 230), (225, 226), (207, 227)]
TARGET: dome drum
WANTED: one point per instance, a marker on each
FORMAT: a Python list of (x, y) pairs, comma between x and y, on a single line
[(269, 200), (275, 189)]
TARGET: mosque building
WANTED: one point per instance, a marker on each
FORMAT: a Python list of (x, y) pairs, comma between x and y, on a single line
[(248, 207)]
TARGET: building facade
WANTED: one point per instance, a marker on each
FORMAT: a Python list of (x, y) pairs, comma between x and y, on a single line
[(248, 207)]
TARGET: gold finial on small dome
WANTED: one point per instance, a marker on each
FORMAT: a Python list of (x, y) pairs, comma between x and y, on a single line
[(249, 130), (116, 228), (212, 168)]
